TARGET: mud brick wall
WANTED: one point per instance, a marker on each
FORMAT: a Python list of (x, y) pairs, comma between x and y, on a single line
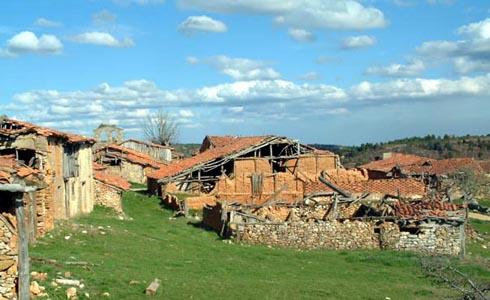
[(430, 238), (199, 202), (108, 196), (310, 235), (44, 211), (8, 260)]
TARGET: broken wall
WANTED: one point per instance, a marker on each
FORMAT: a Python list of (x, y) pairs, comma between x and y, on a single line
[(8, 257), (108, 196)]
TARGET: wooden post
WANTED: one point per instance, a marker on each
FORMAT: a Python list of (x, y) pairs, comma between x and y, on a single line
[(23, 250)]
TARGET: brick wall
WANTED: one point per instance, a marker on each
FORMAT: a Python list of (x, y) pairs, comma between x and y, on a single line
[(108, 196)]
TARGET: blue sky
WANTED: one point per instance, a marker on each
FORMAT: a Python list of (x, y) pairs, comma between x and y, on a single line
[(325, 71)]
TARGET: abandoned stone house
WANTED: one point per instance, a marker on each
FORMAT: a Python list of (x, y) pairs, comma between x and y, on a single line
[(109, 188), (18, 222), (245, 169), (127, 163), (157, 152), (64, 161), (341, 223)]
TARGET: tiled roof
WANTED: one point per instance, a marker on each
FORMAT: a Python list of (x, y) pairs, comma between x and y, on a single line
[(396, 159), (221, 141), (443, 166), (116, 181), (181, 166), (407, 187), (427, 209), (131, 155), (10, 169), (10, 127)]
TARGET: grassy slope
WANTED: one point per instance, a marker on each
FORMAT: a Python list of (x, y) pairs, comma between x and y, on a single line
[(194, 263)]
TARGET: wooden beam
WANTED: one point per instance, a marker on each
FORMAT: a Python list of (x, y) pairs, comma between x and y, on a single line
[(23, 266)]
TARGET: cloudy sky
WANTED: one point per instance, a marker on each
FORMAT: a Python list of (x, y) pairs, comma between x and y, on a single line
[(326, 71)]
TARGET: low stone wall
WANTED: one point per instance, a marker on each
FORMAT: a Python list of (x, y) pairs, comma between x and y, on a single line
[(432, 238), (311, 235), (8, 261), (108, 196), (428, 237)]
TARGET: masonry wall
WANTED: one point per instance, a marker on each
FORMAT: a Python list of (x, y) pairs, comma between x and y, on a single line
[(129, 171), (432, 239), (108, 196), (311, 235), (8, 260)]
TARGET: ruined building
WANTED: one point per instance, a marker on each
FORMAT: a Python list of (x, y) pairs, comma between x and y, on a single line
[(127, 163), (109, 188), (344, 223), (20, 217), (157, 152), (245, 169), (63, 160)]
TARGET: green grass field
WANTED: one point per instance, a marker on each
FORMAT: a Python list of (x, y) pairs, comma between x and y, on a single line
[(195, 264)]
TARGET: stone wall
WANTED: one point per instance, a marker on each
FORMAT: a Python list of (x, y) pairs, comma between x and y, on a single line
[(428, 237), (311, 235), (8, 260), (312, 228), (129, 171), (108, 196)]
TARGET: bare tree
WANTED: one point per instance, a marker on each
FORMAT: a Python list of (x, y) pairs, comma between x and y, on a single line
[(161, 128)]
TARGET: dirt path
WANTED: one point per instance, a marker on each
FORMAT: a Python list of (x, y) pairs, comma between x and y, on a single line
[(477, 216)]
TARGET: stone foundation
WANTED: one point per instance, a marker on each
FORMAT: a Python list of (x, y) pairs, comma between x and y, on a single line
[(8, 260)]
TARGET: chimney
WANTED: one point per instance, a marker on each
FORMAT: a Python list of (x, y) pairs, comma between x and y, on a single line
[(387, 155)]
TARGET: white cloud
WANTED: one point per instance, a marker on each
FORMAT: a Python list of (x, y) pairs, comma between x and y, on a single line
[(28, 42), (324, 14), (194, 24), (467, 55), (310, 76), (104, 17), (43, 22), (192, 60), (360, 41), (186, 113), (127, 104), (102, 39), (301, 35), (413, 68), (239, 68)]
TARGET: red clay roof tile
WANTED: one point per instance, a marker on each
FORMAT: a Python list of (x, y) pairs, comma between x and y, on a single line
[(11, 127), (396, 159), (209, 155), (101, 175), (132, 156)]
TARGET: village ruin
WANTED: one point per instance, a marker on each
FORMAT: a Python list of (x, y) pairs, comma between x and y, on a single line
[(269, 190)]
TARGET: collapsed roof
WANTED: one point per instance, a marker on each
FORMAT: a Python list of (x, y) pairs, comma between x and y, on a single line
[(117, 152), (14, 128), (229, 149), (101, 174), (11, 171)]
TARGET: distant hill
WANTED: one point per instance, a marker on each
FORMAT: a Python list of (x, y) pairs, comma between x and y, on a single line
[(439, 147)]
